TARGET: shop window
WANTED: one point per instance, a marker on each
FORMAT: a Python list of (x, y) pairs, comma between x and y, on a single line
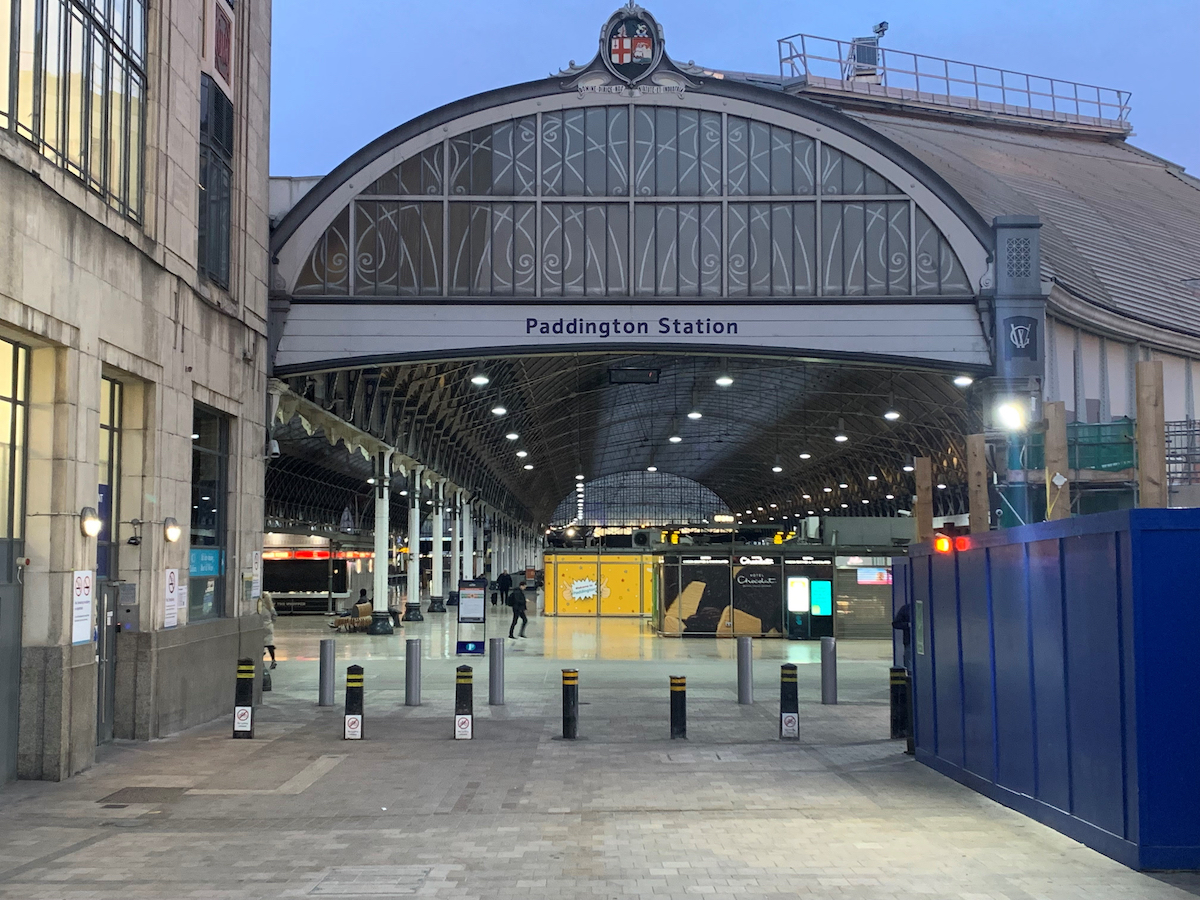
[(216, 182), (109, 505), (14, 404), (206, 565)]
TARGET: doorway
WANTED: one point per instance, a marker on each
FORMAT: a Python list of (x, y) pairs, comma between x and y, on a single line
[(10, 677)]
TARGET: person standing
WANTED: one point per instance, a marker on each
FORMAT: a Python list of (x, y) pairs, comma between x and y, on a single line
[(503, 587), (266, 606), (516, 599)]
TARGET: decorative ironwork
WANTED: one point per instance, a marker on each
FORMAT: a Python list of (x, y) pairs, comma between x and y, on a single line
[(641, 499), (633, 200)]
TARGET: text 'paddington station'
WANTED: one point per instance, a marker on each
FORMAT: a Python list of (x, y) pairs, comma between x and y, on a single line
[(613, 327)]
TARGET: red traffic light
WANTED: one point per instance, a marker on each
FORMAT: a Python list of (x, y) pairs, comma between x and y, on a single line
[(962, 543)]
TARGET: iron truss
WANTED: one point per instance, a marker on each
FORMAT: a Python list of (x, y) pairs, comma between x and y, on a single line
[(570, 419)]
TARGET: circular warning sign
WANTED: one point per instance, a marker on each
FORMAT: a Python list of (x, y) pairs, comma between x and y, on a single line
[(463, 723), (243, 714), (789, 721), (353, 727), (462, 728)]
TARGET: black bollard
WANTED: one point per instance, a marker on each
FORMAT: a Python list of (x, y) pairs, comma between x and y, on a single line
[(464, 705), (243, 700), (789, 703), (678, 707), (899, 704), (354, 704), (570, 703)]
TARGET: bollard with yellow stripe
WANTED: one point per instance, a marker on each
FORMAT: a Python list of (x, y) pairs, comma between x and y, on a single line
[(678, 707), (570, 687), (354, 704), (243, 700), (789, 703), (464, 703)]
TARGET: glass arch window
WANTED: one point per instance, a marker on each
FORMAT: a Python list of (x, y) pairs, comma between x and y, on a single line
[(632, 201)]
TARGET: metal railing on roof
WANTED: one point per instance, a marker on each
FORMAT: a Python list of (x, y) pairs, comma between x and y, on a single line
[(861, 66), (1183, 452)]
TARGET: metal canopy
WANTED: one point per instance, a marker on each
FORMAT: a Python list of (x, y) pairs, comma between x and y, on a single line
[(571, 420)]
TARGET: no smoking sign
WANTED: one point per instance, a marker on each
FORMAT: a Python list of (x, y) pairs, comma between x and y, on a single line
[(354, 728), (463, 730), (789, 725)]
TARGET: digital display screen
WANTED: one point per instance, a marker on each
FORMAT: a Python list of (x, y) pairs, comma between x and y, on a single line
[(822, 598), (797, 594), (874, 576), (470, 602)]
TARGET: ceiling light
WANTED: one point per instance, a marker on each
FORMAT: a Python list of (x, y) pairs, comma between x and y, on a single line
[(404, 493), (760, 509), (521, 454), (777, 468), (963, 381), (843, 484), (806, 456), (512, 436), (429, 503), (889, 496), (724, 380), (841, 436), (866, 501), (579, 478), (370, 481), (651, 468), (812, 512), (774, 506), (845, 506), (195, 436), (891, 415), (941, 487), (1010, 416), (528, 466), (695, 414), (827, 490), (825, 508), (872, 478), (479, 377), (499, 410), (805, 497), (909, 464), (674, 439)]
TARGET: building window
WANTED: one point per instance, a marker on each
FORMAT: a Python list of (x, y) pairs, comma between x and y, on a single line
[(14, 406), (73, 81), (206, 581), (107, 543), (216, 180)]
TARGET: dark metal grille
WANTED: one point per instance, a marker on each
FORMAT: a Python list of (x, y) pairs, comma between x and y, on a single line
[(1183, 452)]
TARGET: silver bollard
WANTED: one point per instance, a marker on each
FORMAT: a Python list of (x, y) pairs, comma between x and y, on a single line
[(745, 670), (412, 672), (828, 670), (496, 672), (325, 676)]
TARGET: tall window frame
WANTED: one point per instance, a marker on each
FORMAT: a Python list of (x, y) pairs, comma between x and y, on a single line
[(210, 513), (108, 545), (73, 83), (216, 183)]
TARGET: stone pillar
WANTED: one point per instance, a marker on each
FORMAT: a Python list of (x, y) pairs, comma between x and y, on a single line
[(1058, 486), (381, 622), (412, 604), (437, 581), (455, 534), (977, 489), (923, 505), (468, 536), (1151, 435)]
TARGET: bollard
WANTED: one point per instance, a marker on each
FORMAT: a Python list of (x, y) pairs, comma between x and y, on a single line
[(745, 670), (678, 707), (570, 703), (789, 703), (325, 676), (412, 672), (354, 704), (464, 705), (496, 672), (828, 670), (243, 700), (899, 703)]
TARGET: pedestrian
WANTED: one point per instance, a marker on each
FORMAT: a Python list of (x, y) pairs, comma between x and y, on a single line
[(266, 606), (903, 624), (516, 599), (503, 587)]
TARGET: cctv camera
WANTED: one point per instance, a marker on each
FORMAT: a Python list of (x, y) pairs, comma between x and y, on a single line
[(273, 449), (880, 29)]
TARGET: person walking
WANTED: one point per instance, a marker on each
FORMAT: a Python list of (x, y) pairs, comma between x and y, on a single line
[(266, 606), (516, 599), (503, 587)]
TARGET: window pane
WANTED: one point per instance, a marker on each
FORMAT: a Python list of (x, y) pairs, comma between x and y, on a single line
[(76, 137), (6, 369), (6, 459), (22, 366), (96, 112), (52, 67), (133, 187), (116, 131), (25, 70), (5, 47), (18, 476), (137, 29)]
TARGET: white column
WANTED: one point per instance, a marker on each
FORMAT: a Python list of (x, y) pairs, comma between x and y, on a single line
[(437, 583), (455, 533), (414, 540), (382, 503), (468, 536)]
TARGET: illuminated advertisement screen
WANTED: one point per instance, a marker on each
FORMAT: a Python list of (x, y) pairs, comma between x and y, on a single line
[(874, 576), (797, 594), (821, 594)]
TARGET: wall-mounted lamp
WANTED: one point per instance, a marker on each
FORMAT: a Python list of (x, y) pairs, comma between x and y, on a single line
[(171, 530), (89, 522)]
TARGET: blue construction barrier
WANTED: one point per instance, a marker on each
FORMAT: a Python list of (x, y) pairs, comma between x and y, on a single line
[(1057, 671)]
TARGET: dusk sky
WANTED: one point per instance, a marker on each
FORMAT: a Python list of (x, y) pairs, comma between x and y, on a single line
[(345, 73)]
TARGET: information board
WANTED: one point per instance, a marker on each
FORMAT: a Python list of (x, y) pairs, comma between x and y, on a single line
[(471, 607), (171, 615), (81, 607)]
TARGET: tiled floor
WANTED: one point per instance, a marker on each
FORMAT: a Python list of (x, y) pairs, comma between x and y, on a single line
[(520, 813)]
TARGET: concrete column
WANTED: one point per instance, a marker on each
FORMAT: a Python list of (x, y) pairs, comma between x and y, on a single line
[(977, 483), (437, 582), (468, 572), (1151, 435), (381, 623), (412, 605), (1058, 487), (455, 534), (923, 507)]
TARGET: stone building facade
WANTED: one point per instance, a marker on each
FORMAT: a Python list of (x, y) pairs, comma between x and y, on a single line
[(133, 303)]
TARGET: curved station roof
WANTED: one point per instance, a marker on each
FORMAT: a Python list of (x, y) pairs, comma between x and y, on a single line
[(590, 252)]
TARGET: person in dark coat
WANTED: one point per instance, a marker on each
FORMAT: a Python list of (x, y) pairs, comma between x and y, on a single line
[(903, 624), (516, 599), (503, 587)]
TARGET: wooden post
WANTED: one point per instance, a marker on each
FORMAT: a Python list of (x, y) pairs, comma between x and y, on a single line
[(1151, 435), (923, 508), (1058, 496), (977, 492)]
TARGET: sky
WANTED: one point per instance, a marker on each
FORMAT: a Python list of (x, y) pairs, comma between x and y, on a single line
[(345, 72)]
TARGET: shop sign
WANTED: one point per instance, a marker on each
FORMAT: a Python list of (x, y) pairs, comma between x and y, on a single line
[(759, 561), (205, 563)]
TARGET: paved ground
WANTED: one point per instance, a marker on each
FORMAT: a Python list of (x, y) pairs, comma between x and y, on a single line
[(519, 813)]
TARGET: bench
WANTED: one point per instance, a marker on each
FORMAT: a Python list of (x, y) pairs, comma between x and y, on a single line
[(358, 620)]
